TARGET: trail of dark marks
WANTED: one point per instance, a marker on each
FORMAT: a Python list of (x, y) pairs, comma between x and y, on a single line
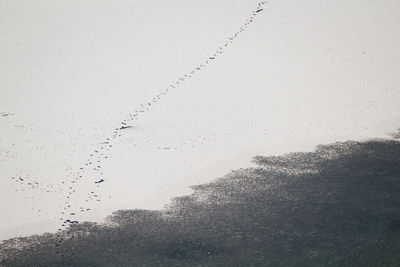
[(93, 163)]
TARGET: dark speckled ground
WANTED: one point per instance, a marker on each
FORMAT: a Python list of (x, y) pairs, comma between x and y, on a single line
[(336, 206)]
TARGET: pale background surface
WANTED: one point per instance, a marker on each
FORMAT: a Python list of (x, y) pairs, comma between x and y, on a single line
[(304, 73)]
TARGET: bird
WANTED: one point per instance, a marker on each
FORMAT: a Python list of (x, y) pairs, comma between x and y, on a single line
[(125, 127), (5, 114)]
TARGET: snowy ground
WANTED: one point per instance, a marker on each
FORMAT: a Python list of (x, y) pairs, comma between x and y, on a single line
[(300, 74)]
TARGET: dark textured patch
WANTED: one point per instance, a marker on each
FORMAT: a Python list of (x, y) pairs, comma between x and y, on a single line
[(336, 206)]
